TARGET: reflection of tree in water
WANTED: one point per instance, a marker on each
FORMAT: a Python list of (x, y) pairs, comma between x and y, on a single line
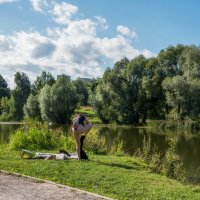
[(189, 149), (132, 138), (6, 130)]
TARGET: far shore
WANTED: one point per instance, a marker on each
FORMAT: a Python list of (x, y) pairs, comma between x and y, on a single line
[(12, 122)]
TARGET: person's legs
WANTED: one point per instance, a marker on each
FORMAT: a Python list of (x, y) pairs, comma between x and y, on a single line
[(78, 144), (82, 152)]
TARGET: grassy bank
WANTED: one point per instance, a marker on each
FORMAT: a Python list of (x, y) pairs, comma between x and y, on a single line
[(113, 176), (89, 112)]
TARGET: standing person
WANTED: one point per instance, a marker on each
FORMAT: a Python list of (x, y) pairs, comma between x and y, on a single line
[(80, 127)]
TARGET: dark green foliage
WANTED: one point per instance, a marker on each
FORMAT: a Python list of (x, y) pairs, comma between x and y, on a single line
[(58, 102), (4, 91), (163, 87), (167, 86), (82, 90), (130, 91), (31, 108), (41, 81), (19, 95)]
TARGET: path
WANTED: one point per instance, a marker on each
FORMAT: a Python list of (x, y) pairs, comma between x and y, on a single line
[(13, 187)]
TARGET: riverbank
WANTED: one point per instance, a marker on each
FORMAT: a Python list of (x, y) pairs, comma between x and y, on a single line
[(118, 177)]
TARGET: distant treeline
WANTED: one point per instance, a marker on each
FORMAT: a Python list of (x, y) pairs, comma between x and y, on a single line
[(163, 87)]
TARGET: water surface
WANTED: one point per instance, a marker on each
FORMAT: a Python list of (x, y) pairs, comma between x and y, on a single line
[(129, 139)]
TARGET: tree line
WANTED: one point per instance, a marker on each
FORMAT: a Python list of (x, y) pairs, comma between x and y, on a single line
[(163, 87), (46, 99)]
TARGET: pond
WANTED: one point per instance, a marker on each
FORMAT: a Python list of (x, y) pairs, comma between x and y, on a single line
[(6, 129), (187, 144)]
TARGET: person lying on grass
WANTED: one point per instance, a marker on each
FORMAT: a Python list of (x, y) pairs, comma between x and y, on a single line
[(61, 155)]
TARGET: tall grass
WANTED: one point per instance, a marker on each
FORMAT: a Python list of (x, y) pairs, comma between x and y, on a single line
[(183, 126), (95, 144), (169, 164), (35, 136)]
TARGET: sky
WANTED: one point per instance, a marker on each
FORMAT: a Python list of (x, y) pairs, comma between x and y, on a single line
[(81, 38)]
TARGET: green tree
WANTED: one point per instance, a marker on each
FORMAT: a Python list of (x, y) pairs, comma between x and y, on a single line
[(177, 90), (155, 104), (169, 60), (190, 62), (82, 89), (19, 95), (58, 102), (45, 103), (42, 80), (4, 105), (31, 108), (183, 91), (4, 91)]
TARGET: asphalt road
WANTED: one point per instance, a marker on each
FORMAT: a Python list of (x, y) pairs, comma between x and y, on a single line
[(13, 187)]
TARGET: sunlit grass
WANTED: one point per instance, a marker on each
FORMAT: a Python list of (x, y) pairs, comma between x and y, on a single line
[(89, 112), (113, 176)]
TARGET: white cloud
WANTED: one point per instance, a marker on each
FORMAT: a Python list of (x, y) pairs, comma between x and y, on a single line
[(7, 1), (38, 4), (72, 47), (4, 43), (126, 31), (102, 21), (63, 12)]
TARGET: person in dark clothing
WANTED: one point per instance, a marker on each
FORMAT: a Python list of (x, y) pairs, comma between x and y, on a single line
[(80, 128), (83, 155)]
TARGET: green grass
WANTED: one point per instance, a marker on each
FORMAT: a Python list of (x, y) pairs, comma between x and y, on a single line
[(112, 176), (89, 112)]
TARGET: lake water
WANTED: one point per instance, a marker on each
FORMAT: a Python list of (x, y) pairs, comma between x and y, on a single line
[(187, 144), (6, 130)]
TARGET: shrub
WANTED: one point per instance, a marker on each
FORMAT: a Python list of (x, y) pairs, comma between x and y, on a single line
[(34, 135), (95, 144)]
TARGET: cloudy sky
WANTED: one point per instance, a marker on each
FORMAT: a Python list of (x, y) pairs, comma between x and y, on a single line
[(81, 38)]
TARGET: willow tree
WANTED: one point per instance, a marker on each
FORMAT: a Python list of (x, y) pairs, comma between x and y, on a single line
[(59, 101)]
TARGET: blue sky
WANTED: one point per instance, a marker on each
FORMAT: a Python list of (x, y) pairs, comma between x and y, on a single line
[(83, 37)]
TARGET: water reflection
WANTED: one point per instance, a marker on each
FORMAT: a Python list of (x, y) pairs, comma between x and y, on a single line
[(187, 144), (132, 138), (6, 130)]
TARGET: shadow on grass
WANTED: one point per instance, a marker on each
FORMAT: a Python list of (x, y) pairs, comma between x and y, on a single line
[(136, 167)]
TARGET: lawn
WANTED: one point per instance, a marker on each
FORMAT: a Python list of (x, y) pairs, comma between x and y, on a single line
[(119, 177)]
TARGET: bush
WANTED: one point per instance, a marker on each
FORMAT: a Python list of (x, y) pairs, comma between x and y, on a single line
[(95, 144), (6, 118), (35, 135)]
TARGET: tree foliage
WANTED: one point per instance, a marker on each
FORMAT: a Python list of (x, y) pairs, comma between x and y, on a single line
[(31, 108), (19, 95), (82, 90), (4, 91), (42, 80), (58, 102), (167, 86), (161, 87)]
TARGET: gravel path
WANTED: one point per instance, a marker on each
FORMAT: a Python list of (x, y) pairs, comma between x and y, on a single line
[(13, 187)]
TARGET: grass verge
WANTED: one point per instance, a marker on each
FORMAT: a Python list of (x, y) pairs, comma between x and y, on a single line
[(89, 112), (118, 177)]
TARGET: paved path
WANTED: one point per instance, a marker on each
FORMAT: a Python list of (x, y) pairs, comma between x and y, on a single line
[(13, 187)]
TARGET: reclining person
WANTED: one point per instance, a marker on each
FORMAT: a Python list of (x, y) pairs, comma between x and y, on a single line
[(61, 155)]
